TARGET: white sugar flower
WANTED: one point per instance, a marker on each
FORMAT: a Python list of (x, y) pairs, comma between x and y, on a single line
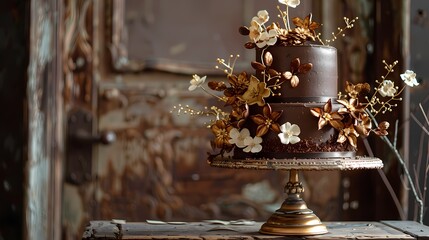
[(237, 137), (196, 82), (254, 31), (387, 89), (289, 133), (253, 144), (409, 77), (262, 17), (290, 3), (267, 38)]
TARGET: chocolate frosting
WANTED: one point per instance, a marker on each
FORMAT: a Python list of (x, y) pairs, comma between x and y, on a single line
[(315, 88), (319, 84)]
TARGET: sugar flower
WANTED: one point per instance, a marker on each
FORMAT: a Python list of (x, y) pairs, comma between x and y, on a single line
[(326, 116), (253, 144), (196, 82), (267, 38), (289, 133), (387, 89), (262, 17), (409, 77), (351, 106), (354, 90), (256, 92), (267, 121), (290, 3), (221, 131), (237, 137), (348, 134), (255, 30)]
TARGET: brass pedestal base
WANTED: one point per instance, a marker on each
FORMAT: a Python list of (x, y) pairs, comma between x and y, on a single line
[(293, 217)]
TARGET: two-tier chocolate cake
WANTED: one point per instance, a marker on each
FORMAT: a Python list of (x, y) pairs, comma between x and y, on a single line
[(289, 106)]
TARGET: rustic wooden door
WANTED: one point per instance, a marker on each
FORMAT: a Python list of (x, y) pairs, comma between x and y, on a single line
[(126, 65)]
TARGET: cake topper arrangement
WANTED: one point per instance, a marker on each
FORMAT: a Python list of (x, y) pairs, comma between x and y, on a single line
[(358, 105)]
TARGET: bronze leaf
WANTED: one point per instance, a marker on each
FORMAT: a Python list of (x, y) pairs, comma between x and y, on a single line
[(275, 115), (261, 130), (294, 64), (243, 30), (384, 125), (250, 45), (328, 106), (353, 140), (305, 68), (267, 110), (275, 127), (317, 112), (258, 66), (297, 21), (217, 86), (380, 132), (273, 72), (258, 119), (337, 124)]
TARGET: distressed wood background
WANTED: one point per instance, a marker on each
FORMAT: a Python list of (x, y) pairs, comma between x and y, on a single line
[(68, 55)]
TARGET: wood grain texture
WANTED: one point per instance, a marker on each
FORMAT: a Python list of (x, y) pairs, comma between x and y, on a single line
[(201, 230)]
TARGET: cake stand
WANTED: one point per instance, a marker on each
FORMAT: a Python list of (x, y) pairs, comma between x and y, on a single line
[(294, 217)]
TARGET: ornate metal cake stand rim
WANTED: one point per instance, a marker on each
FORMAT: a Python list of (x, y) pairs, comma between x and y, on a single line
[(311, 164)]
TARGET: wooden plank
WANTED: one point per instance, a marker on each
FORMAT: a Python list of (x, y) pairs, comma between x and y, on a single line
[(360, 230), (207, 231), (419, 231)]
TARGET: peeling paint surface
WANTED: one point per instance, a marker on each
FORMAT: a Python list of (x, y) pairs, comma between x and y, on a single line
[(38, 165), (72, 208)]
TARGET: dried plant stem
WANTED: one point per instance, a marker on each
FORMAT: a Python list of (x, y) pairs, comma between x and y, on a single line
[(401, 161), (386, 183)]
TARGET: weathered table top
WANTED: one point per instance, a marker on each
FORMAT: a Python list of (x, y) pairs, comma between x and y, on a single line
[(249, 230)]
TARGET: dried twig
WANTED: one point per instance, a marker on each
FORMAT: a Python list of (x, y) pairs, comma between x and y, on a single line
[(386, 183), (405, 168)]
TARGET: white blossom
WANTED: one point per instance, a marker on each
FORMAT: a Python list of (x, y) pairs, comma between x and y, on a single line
[(387, 89), (289, 133), (290, 3), (237, 137), (254, 31), (267, 38), (409, 77), (253, 144), (262, 17), (196, 81)]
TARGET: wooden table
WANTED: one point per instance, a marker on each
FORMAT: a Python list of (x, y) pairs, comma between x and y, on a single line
[(205, 230)]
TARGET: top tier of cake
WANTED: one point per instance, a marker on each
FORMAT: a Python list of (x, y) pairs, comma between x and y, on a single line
[(318, 85)]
